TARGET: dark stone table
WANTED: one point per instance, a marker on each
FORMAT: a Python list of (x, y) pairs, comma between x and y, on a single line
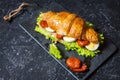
[(21, 58)]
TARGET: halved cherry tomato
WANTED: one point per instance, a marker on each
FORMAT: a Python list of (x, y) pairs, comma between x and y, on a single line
[(59, 36), (82, 43), (73, 63), (43, 24)]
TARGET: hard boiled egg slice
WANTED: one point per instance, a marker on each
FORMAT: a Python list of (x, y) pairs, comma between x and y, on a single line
[(92, 46), (69, 39), (49, 29)]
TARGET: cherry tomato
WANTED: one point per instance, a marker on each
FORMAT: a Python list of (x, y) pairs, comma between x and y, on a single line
[(82, 43), (81, 69), (59, 36), (43, 24), (73, 62)]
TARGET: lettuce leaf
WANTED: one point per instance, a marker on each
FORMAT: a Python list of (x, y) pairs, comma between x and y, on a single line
[(80, 50), (45, 33), (54, 51)]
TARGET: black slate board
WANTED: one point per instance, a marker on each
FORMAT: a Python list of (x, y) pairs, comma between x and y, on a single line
[(107, 49)]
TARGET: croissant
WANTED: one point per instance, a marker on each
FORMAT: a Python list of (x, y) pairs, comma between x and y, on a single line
[(70, 25)]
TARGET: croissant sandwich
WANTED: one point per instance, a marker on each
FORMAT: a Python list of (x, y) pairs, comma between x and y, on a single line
[(69, 28), (70, 25)]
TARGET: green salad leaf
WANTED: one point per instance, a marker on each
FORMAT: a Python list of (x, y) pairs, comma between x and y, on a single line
[(39, 18), (101, 38), (54, 51), (89, 24), (80, 50), (68, 45), (45, 33)]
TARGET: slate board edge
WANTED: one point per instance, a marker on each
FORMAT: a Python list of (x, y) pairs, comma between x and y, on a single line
[(87, 75), (47, 51)]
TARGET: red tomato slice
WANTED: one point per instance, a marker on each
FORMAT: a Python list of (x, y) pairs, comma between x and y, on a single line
[(59, 36), (82, 43), (43, 24)]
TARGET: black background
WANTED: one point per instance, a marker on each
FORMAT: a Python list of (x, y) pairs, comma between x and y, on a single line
[(21, 58)]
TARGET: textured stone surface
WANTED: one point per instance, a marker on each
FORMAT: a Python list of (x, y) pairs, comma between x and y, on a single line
[(21, 58)]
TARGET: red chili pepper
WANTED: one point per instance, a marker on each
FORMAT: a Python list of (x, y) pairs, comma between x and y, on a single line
[(43, 24), (73, 62), (76, 65), (82, 69)]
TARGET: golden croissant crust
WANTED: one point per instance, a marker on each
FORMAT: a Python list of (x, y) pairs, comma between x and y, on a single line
[(69, 24)]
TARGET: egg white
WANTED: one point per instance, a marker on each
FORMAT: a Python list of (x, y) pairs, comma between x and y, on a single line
[(92, 46), (69, 39), (49, 29)]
